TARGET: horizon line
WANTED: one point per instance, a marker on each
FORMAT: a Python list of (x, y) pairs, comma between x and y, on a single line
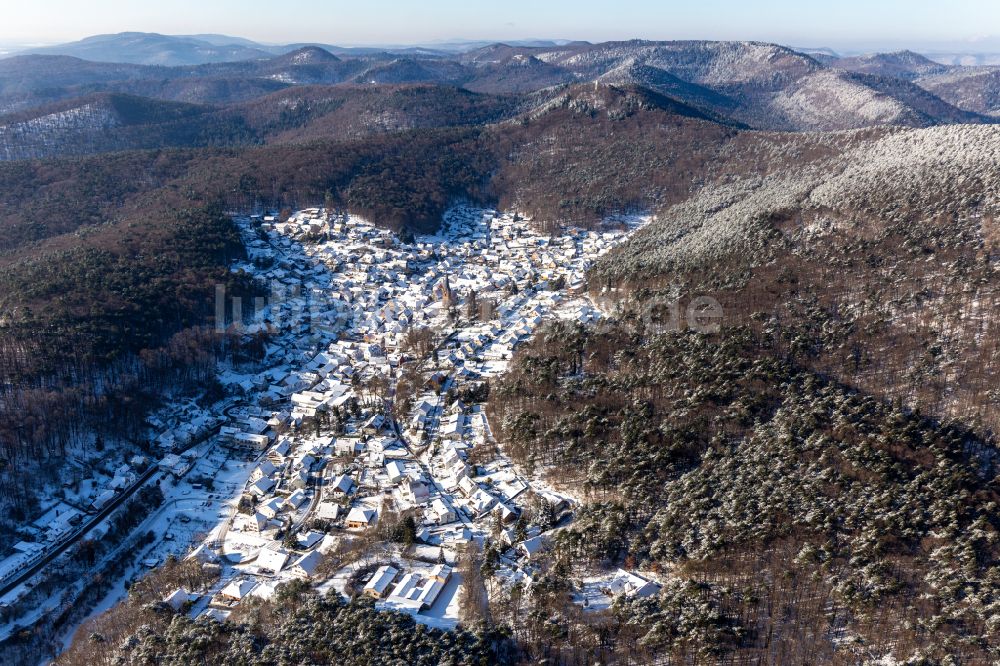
[(941, 46)]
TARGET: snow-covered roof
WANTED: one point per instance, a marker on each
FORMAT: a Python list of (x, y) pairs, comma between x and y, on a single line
[(533, 545), (239, 588), (381, 580), (307, 563), (309, 539), (359, 514), (177, 598), (632, 585), (328, 511), (296, 499), (342, 484), (272, 559)]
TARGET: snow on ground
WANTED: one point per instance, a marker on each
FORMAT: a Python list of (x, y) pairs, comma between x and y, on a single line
[(345, 295), (591, 594)]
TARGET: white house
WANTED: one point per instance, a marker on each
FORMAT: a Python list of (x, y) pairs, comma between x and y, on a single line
[(532, 546), (359, 517), (177, 598), (441, 572), (271, 559), (279, 452), (309, 539), (480, 502), (415, 592), (374, 424), (270, 508), (265, 470), (452, 427), (261, 488), (440, 512), (238, 589), (328, 511), (342, 486), (251, 440), (256, 523), (296, 499), (395, 470), (348, 446), (305, 566), (102, 500), (631, 585)]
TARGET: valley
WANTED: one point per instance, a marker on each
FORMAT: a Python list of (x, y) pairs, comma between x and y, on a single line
[(366, 417), (643, 352)]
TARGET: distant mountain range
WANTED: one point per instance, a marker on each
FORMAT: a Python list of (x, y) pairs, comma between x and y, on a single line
[(153, 49), (142, 48), (971, 52), (751, 84), (146, 48)]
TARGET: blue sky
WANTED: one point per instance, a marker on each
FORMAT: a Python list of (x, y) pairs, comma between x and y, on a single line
[(801, 22)]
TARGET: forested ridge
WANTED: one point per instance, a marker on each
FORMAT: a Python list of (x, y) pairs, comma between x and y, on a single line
[(91, 334), (819, 523), (115, 122), (820, 474)]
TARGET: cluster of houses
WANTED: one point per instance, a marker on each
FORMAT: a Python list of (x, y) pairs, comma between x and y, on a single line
[(333, 451), (63, 519), (413, 591), (181, 425)]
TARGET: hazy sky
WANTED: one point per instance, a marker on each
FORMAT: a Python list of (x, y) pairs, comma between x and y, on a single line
[(798, 22)]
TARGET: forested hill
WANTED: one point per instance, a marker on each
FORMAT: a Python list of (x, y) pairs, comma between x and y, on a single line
[(787, 512), (816, 480), (876, 262)]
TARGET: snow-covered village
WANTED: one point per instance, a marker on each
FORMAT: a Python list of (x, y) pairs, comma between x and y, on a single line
[(384, 334), (356, 456)]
